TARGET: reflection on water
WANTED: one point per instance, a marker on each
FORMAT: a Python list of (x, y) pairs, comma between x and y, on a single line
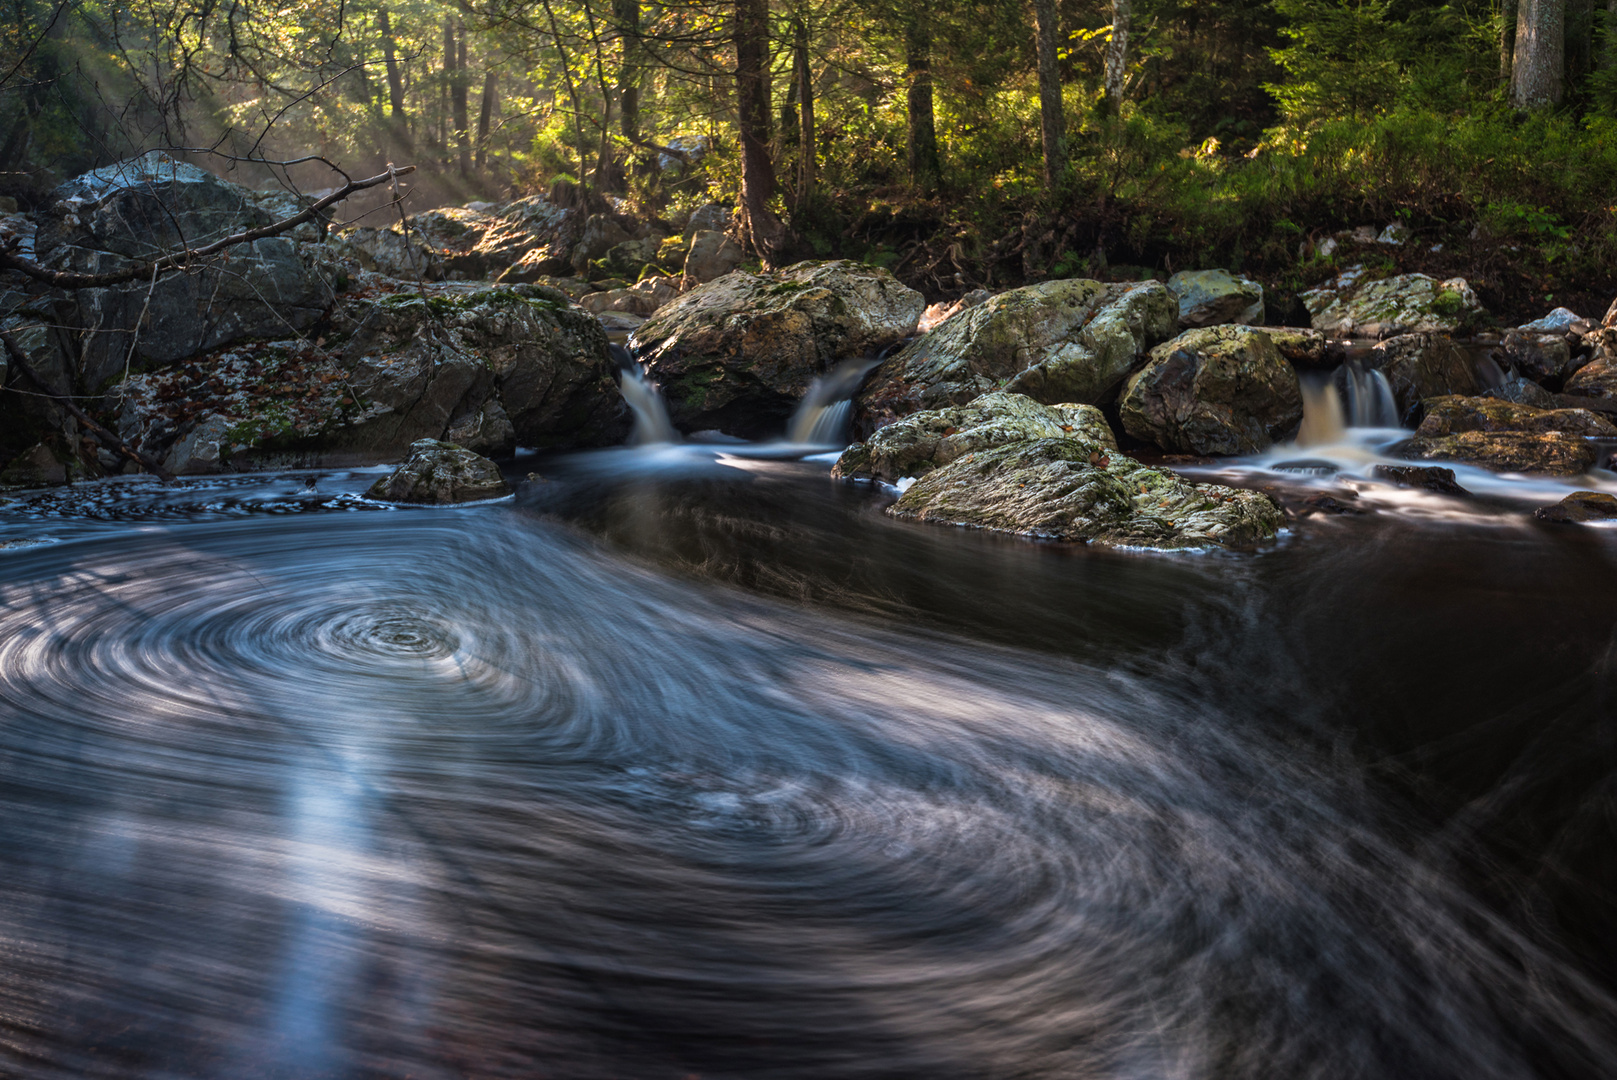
[(580, 787)]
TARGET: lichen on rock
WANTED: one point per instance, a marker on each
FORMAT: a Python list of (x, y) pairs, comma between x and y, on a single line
[(439, 473), (1217, 390)]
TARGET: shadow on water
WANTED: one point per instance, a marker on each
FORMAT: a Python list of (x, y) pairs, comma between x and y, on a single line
[(693, 762)]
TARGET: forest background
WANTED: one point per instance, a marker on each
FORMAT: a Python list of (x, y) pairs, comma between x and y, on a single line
[(958, 144)]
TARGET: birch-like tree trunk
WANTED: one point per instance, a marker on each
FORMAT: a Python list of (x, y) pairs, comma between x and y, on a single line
[(1539, 58), (1117, 54)]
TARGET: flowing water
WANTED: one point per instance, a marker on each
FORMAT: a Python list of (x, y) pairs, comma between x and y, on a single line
[(688, 762)]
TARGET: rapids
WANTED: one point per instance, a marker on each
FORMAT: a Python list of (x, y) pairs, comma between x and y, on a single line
[(687, 761)]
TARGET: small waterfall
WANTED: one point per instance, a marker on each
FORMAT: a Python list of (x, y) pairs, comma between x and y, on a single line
[(822, 417), (645, 400), (1370, 402), (1322, 415), (1489, 373), (1351, 398)]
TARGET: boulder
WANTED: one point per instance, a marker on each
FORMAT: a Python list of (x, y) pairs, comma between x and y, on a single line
[(441, 472), (629, 257), (1423, 365), (1303, 348), (642, 298), (941, 312), (711, 256), (1058, 341), (738, 353), (1451, 415), (1425, 477), (709, 217), (923, 441), (1214, 297), (389, 251), (601, 233), (1406, 304), (1543, 357), (1522, 392), (1558, 321), (1578, 507), (38, 466), (1218, 390), (1597, 379), (135, 210), (1550, 454), (1073, 489), (489, 367)]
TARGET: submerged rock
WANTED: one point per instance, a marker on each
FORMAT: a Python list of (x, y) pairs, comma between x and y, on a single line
[(1425, 477), (1405, 304), (1073, 489), (441, 472), (1423, 365), (1219, 390), (738, 353), (1580, 506), (924, 441), (1059, 341), (1214, 297)]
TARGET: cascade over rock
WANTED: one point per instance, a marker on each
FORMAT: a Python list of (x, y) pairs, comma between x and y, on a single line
[(1419, 366), (1218, 390), (738, 353), (1059, 341)]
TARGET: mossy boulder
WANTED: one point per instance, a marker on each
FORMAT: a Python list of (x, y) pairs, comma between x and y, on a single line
[(738, 353), (1059, 341), (1506, 437), (1216, 297), (1453, 414), (439, 473), (1403, 304), (1077, 490), (924, 441), (1218, 390)]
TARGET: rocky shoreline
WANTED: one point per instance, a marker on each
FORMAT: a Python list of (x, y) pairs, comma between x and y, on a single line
[(488, 327)]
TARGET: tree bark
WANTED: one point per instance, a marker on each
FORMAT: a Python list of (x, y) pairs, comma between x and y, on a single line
[(1053, 124), (761, 227), (395, 83), (447, 92), (463, 120), (804, 75), (1117, 55), (485, 116), (627, 14), (1507, 38), (923, 134), (1540, 56)]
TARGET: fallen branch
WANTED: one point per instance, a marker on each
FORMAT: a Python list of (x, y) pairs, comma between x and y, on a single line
[(67, 279), (106, 438)]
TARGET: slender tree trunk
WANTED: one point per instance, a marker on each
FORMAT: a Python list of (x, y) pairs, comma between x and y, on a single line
[(923, 134), (1507, 38), (1540, 55), (463, 120), (1053, 124), (765, 231), (627, 14), (1608, 53), (395, 77), (446, 121), (803, 75), (1117, 55), (485, 116)]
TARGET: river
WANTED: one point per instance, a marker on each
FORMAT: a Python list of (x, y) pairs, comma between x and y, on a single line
[(689, 762)]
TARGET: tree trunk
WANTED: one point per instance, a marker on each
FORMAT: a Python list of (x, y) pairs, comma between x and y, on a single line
[(1117, 55), (1608, 53), (627, 14), (761, 227), (1053, 124), (395, 80), (1540, 55), (484, 116), (447, 92), (804, 77), (1507, 38), (923, 135), (463, 119)]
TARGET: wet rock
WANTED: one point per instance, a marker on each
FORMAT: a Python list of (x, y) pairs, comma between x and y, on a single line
[(1549, 454), (923, 441), (1541, 357), (738, 353), (126, 213), (1423, 365), (1214, 297), (1321, 503), (1071, 340), (1219, 390), (1424, 477), (1406, 304), (642, 298), (441, 472), (1596, 379), (1073, 489), (712, 255), (1522, 392), (203, 446), (1580, 506), (1303, 348), (1452, 415), (38, 466)]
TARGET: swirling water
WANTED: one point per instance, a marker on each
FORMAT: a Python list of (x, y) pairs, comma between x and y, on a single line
[(690, 763)]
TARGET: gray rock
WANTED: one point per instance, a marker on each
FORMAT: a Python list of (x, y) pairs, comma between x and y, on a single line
[(1072, 489), (38, 466), (1425, 477), (738, 353), (1058, 341), (1578, 507), (1406, 304), (1214, 297), (921, 442), (1420, 366), (1396, 233), (710, 217), (629, 257), (441, 472), (201, 449), (712, 255), (601, 234), (1303, 348), (1219, 390), (1543, 356), (1559, 321), (1522, 392)]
